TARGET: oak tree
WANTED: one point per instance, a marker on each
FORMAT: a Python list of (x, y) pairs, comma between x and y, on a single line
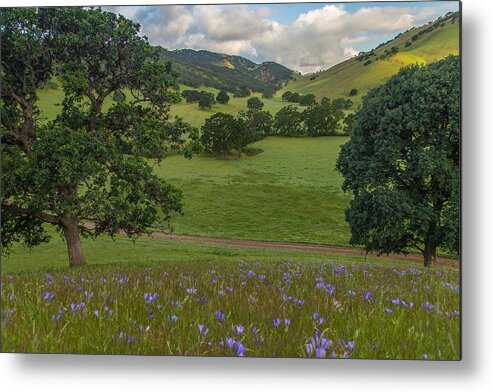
[(402, 163)]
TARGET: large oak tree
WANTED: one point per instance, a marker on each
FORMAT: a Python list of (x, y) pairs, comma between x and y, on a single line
[(86, 165), (402, 163)]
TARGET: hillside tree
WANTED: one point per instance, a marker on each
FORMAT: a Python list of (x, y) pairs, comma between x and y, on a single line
[(259, 123), (322, 119), (222, 97), (402, 163), (255, 103), (76, 169), (288, 121)]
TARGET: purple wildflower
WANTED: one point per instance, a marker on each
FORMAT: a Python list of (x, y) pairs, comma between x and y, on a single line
[(230, 342), (276, 322), (318, 344), (96, 313), (229, 290), (150, 298), (221, 317), (173, 318), (239, 329), (388, 311), (329, 289), (240, 349), (49, 296), (368, 296), (203, 331), (428, 306), (191, 290)]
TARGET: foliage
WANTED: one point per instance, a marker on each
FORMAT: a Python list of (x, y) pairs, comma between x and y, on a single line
[(322, 119), (286, 96), (118, 96), (206, 100), (307, 100), (288, 122), (402, 163), (268, 93), (349, 122), (77, 167), (353, 92), (242, 92), (255, 103), (258, 122), (222, 97)]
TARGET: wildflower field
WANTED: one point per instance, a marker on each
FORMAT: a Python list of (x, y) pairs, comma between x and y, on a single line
[(252, 309)]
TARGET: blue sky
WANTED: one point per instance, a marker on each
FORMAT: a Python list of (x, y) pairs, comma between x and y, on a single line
[(303, 36)]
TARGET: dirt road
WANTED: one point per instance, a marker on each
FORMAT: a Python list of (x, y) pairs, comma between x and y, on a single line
[(292, 245)]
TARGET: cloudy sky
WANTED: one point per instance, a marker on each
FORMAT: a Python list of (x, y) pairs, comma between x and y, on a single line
[(305, 37)]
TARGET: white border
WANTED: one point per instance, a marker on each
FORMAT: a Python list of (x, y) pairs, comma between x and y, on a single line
[(118, 373)]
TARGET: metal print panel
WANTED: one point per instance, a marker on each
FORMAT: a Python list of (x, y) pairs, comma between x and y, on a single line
[(244, 180)]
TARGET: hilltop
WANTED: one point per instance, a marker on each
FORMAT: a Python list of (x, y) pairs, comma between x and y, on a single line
[(421, 45), (222, 71)]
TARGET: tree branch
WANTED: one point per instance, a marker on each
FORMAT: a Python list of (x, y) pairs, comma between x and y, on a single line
[(27, 211)]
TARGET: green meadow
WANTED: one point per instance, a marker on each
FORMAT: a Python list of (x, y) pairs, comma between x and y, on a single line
[(289, 191)]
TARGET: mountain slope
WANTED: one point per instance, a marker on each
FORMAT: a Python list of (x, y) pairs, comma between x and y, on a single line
[(221, 71), (433, 41)]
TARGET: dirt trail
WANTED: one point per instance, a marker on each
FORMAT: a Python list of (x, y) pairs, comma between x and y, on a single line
[(293, 245)]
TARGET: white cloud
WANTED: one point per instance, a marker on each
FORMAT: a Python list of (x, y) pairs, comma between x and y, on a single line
[(316, 40)]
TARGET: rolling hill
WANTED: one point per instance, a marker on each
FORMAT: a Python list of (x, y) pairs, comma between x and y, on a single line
[(212, 71), (421, 45), (203, 68)]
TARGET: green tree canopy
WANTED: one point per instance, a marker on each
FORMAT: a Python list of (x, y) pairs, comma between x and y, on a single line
[(255, 103), (402, 163), (288, 121), (77, 168), (222, 97), (322, 119), (307, 100), (259, 123), (206, 100)]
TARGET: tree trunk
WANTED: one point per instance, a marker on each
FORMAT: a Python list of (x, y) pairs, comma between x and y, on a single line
[(74, 245), (430, 253)]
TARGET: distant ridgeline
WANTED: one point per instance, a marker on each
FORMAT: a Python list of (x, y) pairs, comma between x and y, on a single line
[(234, 74)]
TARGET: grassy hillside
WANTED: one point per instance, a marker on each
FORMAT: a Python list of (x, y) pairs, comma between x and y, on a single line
[(50, 99), (338, 81), (289, 192), (203, 68)]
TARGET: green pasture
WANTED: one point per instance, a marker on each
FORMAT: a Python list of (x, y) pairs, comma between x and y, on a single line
[(288, 192)]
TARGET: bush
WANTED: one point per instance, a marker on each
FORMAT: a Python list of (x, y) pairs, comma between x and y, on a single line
[(353, 92), (255, 103), (408, 44), (242, 92), (268, 93), (222, 97), (368, 62), (307, 100)]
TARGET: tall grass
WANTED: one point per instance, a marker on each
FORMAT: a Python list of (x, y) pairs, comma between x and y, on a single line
[(266, 309)]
